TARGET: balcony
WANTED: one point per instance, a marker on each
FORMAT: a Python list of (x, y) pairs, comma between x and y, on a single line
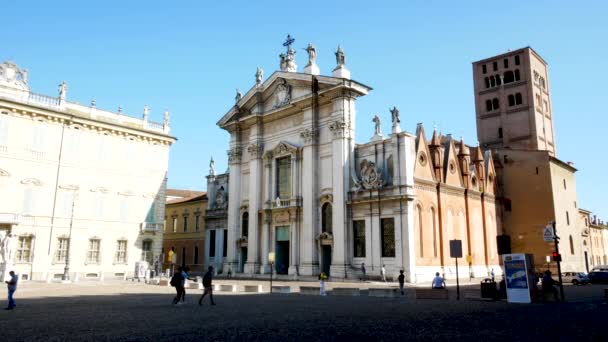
[(280, 203), (10, 218), (151, 227)]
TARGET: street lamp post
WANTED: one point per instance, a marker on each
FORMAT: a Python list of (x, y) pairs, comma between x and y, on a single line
[(66, 270), (271, 260), (559, 268)]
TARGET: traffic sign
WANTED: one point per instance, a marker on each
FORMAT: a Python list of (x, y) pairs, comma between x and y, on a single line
[(548, 234)]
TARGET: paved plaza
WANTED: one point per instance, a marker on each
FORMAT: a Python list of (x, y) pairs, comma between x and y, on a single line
[(130, 311)]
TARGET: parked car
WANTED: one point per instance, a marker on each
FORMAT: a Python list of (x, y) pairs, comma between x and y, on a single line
[(599, 275), (576, 278)]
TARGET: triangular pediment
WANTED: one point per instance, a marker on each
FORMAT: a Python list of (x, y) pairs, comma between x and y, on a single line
[(423, 167), (451, 167), (490, 181), (283, 149), (283, 89)]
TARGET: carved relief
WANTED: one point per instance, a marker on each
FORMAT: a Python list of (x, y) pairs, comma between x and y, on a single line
[(235, 154), (255, 150), (328, 198), (282, 217), (32, 181), (282, 94), (339, 128), (220, 199), (308, 135), (370, 176)]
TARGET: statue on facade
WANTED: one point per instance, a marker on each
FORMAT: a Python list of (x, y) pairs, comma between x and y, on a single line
[(395, 118), (288, 60), (211, 167), (340, 58), (259, 76), (167, 117), (63, 89), (146, 112), (24, 75), (7, 247), (3, 237), (283, 62), (312, 54), (376, 121), (238, 96), (370, 176)]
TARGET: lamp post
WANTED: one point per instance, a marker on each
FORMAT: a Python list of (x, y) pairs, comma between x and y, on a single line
[(66, 270), (559, 260), (271, 260)]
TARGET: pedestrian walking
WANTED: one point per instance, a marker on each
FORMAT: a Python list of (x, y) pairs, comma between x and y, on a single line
[(322, 278), (401, 281), (363, 271), (208, 286), (12, 287), (177, 282), (185, 277), (383, 273), (438, 282)]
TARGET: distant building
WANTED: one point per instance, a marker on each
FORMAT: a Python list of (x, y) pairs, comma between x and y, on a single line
[(174, 194), (216, 223), (595, 244), (79, 186), (184, 236)]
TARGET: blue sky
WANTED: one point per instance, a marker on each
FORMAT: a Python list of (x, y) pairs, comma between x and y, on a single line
[(189, 56)]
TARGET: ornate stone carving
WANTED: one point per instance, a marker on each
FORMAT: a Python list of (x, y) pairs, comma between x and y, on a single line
[(328, 198), (339, 128), (325, 238), (11, 75), (308, 135), (288, 60), (282, 94), (255, 150), (370, 176), (32, 181), (220, 199), (234, 155)]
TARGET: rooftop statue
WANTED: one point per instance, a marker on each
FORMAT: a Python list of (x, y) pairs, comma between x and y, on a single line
[(63, 89), (238, 96), (211, 167), (340, 59), (395, 115), (259, 76), (376, 120), (312, 54)]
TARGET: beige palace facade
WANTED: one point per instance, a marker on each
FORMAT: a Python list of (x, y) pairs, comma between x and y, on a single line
[(79, 186)]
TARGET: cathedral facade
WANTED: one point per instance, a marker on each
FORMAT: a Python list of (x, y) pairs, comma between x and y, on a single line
[(305, 198)]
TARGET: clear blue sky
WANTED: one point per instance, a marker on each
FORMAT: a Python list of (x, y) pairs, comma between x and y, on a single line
[(189, 56)]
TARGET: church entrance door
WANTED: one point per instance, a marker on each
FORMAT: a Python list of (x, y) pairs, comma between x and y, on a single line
[(243, 259), (282, 250), (325, 259)]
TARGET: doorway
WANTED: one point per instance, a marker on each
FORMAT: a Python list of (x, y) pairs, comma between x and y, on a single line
[(325, 259), (282, 250), (243, 259)]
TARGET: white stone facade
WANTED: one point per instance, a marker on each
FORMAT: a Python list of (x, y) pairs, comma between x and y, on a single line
[(75, 173)]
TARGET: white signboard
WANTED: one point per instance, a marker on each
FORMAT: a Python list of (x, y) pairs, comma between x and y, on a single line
[(548, 234), (517, 278)]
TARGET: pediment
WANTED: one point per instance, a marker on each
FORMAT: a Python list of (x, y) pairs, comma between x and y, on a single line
[(282, 89), (451, 167), (282, 149), (423, 168)]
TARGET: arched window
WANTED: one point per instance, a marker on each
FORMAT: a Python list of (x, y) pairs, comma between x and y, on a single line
[(487, 82), (489, 105), (516, 60), (509, 77), (518, 99), (506, 62), (571, 245), (245, 225), (420, 232), (434, 220), (511, 100), (495, 104), (517, 78), (326, 216), (492, 81), (498, 80)]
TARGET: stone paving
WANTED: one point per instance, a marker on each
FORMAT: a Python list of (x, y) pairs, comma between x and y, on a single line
[(131, 311)]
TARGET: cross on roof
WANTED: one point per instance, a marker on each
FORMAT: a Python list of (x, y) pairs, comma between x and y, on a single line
[(288, 41)]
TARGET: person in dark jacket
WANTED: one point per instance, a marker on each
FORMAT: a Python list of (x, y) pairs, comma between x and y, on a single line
[(178, 282), (547, 284), (208, 287)]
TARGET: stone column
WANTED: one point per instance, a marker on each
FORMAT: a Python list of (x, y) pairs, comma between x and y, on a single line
[(294, 241), (255, 195), (376, 254), (408, 240), (234, 200), (265, 243), (309, 264)]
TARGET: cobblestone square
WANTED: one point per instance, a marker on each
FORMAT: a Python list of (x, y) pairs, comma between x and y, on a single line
[(126, 311)]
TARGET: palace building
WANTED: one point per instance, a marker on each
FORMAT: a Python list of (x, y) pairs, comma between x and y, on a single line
[(82, 190), (303, 191)]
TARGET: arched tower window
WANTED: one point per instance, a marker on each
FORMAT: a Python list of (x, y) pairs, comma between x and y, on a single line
[(509, 76), (511, 100), (489, 105), (326, 218), (517, 77), (492, 81), (495, 103), (420, 231), (498, 80), (245, 224), (487, 80), (518, 99)]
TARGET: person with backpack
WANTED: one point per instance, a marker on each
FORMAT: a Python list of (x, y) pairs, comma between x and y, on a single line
[(208, 287), (177, 281)]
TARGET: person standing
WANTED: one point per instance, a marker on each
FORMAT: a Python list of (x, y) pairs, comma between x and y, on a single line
[(547, 285), (363, 271), (383, 273), (438, 282), (401, 281), (492, 274), (12, 287), (208, 287), (322, 278)]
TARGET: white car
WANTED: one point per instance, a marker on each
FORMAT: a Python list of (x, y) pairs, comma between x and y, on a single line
[(576, 278)]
